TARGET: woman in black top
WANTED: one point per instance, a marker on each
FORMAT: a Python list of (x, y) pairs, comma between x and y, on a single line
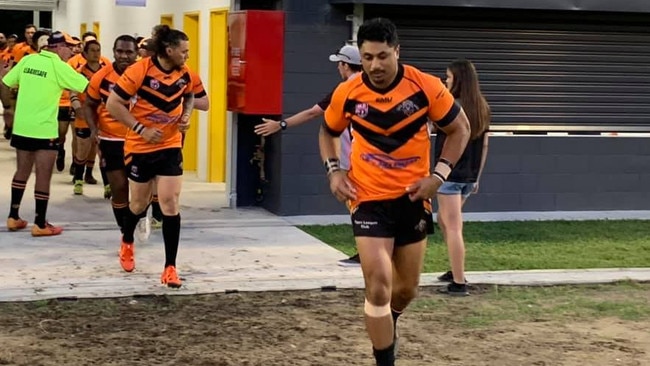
[(462, 81)]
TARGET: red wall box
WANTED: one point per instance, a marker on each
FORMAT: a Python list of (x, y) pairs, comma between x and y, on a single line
[(255, 61)]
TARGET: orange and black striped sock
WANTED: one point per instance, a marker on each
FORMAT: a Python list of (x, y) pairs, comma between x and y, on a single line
[(42, 199), (128, 228), (17, 191), (119, 210)]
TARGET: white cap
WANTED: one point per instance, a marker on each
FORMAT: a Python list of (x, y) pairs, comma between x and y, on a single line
[(348, 54)]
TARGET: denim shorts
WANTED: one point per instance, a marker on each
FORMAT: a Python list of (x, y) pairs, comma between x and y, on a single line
[(454, 188)]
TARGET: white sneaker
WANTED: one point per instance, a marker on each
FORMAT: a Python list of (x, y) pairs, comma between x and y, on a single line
[(143, 230)]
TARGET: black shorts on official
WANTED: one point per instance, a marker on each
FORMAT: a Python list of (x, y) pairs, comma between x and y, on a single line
[(144, 167), (82, 133), (408, 222), (112, 155), (32, 144), (66, 114)]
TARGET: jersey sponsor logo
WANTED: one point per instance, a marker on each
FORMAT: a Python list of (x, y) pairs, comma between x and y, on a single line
[(408, 107), (385, 161), (361, 110), (162, 118), (384, 100), (181, 83)]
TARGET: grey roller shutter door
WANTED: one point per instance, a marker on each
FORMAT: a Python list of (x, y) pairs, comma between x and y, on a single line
[(545, 68), (28, 4)]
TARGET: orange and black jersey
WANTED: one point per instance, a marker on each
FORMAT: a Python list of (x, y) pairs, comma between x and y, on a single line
[(101, 84), (21, 50), (79, 60), (5, 56), (159, 97), (389, 129), (197, 85), (87, 72)]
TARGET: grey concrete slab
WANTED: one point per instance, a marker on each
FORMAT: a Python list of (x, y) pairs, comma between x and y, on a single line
[(85, 263), (221, 249)]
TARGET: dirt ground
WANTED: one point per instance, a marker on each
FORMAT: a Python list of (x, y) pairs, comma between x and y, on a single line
[(298, 328)]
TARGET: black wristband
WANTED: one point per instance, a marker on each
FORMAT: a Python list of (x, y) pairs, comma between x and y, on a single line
[(332, 165), (439, 176), (138, 128), (446, 162)]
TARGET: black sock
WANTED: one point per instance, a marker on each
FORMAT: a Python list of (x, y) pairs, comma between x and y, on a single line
[(130, 222), (42, 199), (395, 315), (171, 230), (61, 153), (90, 164), (78, 169), (385, 357), (17, 191), (156, 212), (119, 211), (104, 177)]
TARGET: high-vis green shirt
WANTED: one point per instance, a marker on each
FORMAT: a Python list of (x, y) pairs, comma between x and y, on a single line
[(40, 79)]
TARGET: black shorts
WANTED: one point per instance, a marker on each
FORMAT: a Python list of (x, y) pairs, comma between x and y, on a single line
[(32, 144), (408, 222), (144, 167), (82, 133), (112, 155), (66, 114)]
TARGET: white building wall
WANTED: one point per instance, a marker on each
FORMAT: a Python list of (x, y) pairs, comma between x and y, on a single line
[(117, 20)]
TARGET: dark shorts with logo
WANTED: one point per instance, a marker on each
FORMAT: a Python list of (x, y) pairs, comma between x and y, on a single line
[(144, 167), (66, 114), (32, 144), (408, 222), (112, 155)]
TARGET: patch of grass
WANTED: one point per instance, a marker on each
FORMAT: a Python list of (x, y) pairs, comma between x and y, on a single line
[(516, 245), (626, 301)]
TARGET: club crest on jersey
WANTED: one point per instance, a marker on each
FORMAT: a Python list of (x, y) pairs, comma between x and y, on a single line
[(181, 83), (111, 86), (361, 110), (408, 107), (154, 84)]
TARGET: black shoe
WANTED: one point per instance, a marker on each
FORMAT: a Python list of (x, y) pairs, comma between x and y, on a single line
[(89, 179), (350, 262), (60, 161), (446, 277), (7, 133), (455, 289)]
